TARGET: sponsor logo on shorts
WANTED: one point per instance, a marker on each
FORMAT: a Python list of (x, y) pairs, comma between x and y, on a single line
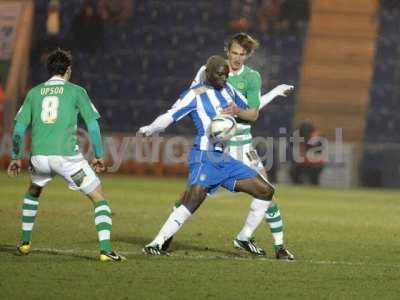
[(78, 177)]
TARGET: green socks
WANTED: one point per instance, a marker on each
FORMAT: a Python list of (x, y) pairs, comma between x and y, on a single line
[(29, 211), (274, 221), (102, 219)]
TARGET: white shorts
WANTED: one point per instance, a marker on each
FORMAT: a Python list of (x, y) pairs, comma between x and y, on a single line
[(248, 155), (74, 169)]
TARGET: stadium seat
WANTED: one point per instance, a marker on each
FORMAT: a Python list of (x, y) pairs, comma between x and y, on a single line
[(154, 57)]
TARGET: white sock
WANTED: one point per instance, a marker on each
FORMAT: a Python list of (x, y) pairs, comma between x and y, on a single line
[(256, 215), (172, 225)]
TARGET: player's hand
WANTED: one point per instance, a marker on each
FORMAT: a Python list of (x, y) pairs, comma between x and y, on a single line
[(14, 168), (284, 90), (231, 109), (98, 165), (145, 131)]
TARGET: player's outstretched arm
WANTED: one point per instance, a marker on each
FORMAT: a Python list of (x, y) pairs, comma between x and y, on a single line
[(158, 125), (181, 108), (281, 90)]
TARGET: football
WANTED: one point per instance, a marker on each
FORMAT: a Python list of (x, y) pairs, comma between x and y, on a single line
[(222, 128)]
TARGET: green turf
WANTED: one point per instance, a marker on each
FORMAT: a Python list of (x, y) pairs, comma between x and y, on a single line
[(347, 244)]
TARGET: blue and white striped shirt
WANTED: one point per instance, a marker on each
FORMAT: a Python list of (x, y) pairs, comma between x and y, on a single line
[(203, 103)]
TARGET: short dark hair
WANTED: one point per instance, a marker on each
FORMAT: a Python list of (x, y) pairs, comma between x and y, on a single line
[(244, 40), (58, 62), (214, 61)]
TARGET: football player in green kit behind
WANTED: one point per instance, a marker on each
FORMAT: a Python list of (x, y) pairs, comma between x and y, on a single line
[(52, 108), (248, 81)]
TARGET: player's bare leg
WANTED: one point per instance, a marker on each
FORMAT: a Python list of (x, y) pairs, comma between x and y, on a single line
[(191, 201)]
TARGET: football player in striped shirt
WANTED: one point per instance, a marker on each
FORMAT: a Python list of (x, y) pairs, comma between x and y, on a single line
[(52, 108), (209, 167), (248, 81)]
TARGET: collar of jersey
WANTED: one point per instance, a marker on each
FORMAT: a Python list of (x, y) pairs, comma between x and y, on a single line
[(238, 72), (55, 77)]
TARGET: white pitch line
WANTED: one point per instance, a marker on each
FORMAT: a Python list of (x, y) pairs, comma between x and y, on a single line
[(223, 257)]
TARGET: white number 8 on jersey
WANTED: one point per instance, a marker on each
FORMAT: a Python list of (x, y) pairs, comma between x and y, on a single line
[(49, 109)]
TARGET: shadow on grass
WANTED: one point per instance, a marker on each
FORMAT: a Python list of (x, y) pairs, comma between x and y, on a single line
[(140, 241), (12, 249)]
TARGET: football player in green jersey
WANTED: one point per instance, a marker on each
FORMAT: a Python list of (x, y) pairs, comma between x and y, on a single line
[(51, 108), (248, 81)]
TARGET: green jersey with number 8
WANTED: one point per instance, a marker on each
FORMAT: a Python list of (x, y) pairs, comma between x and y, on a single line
[(52, 108)]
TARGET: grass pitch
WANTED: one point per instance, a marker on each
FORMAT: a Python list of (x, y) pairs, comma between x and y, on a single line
[(347, 245)]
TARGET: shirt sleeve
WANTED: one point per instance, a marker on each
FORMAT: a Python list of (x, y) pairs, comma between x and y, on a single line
[(254, 90), (86, 108), (24, 115), (200, 76), (18, 140), (183, 106), (95, 137), (239, 99)]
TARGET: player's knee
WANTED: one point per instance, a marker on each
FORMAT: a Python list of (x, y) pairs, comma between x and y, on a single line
[(271, 192), (267, 191)]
